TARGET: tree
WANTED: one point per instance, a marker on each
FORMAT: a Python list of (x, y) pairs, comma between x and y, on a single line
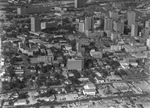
[(88, 63), (10, 71)]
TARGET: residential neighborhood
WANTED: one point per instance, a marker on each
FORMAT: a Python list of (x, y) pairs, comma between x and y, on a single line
[(75, 53)]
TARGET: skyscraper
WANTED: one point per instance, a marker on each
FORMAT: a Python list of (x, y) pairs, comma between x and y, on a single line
[(134, 30), (108, 24), (89, 23), (79, 3), (131, 18), (114, 15), (35, 24), (147, 24), (81, 27), (148, 43), (118, 26)]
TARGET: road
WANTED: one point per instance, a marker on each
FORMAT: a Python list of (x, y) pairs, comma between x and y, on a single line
[(54, 87), (82, 100), (106, 1)]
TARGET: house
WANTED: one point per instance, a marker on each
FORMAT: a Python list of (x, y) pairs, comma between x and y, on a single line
[(19, 71), (29, 51), (45, 106), (70, 96), (83, 79), (44, 98), (39, 59), (123, 106), (123, 87), (96, 54), (89, 86), (89, 91), (68, 47), (139, 106), (113, 78), (99, 78), (113, 90), (20, 102), (49, 52)]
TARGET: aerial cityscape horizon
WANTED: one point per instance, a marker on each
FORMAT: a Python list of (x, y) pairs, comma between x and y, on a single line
[(74, 53)]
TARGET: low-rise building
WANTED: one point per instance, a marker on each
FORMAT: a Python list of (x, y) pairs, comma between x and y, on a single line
[(89, 91), (89, 86), (96, 54), (20, 102), (113, 78), (44, 59), (123, 87), (75, 64)]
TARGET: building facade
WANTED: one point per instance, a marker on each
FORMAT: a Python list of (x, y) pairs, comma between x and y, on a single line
[(134, 30), (89, 23), (108, 24), (79, 3), (35, 24), (81, 27), (131, 18)]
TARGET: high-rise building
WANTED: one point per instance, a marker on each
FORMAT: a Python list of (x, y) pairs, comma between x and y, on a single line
[(89, 23), (33, 9), (134, 30), (131, 17), (108, 24), (79, 3), (78, 47), (114, 15), (35, 24), (114, 36), (81, 27), (148, 43), (118, 26), (146, 32), (147, 24)]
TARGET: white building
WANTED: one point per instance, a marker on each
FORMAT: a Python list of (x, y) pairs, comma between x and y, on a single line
[(89, 86), (115, 47), (20, 102), (81, 27), (134, 30), (96, 54), (89, 91), (148, 43)]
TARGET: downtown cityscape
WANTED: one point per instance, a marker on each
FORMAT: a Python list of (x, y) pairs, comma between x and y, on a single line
[(74, 53)]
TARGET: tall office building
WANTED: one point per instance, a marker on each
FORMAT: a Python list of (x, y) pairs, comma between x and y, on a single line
[(147, 24), (131, 17), (79, 3), (134, 30), (148, 43), (108, 24), (81, 27), (33, 9), (114, 15), (78, 47), (35, 24), (89, 23), (118, 26)]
